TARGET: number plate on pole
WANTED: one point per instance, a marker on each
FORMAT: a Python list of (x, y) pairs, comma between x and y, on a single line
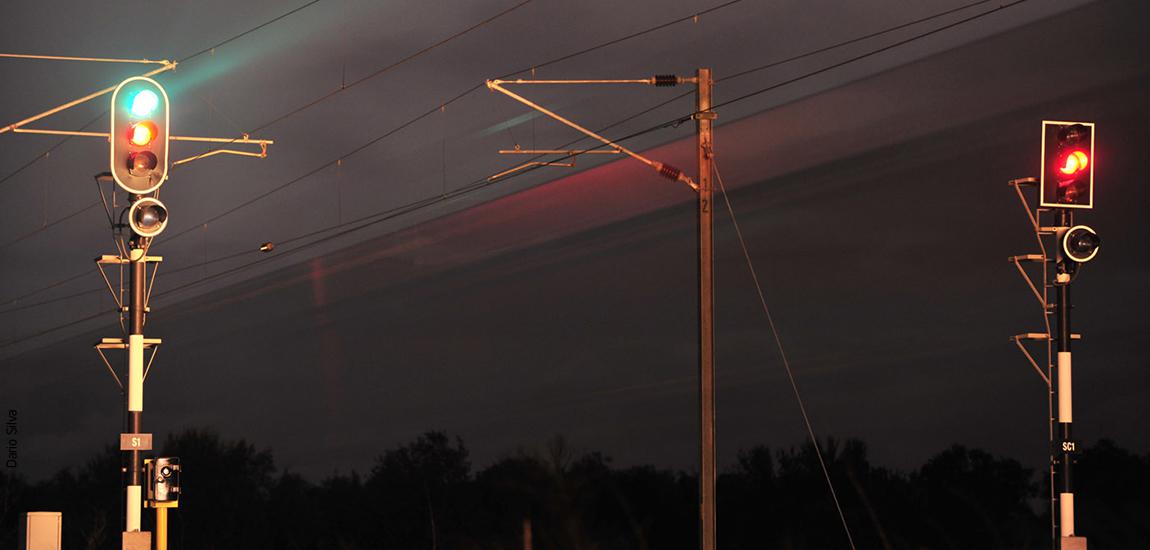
[(135, 442)]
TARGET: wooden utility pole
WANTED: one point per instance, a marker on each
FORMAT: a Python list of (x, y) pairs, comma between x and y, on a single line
[(704, 117)]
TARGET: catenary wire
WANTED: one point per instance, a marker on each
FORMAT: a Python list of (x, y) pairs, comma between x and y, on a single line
[(438, 107), (344, 86), (871, 53), (661, 126), (853, 40), (61, 142), (249, 31), (686, 118), (483, 183), (382, 70), (49, 150), (169, 272), (49, 225), (182, 60), (675, 122), (297, 110), (479, 184), (409, 122)]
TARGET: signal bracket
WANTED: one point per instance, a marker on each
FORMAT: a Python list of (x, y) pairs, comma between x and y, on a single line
[(118, 343)]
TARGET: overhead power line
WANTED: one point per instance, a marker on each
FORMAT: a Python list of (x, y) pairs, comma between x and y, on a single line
[(749, 71), (49, 225), (371, 220), (300, 109), (367, 221), (438, 107), (421, 116), (51, 149), (382, 70), (45, 154), (871, 53), (286, 14), (475, 186)]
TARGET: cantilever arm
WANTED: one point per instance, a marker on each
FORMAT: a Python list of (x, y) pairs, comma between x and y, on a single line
[(669, 172), (263, 143), (15, 126)]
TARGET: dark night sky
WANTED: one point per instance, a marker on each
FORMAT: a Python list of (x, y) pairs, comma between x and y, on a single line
[(873, 199)]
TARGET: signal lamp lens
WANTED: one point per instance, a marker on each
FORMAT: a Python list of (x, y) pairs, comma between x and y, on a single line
[(1073, 134), (144, 103), (141, 163), (150, 216), (1081, 244), (1074, 163), (142, 133), (147, 217)]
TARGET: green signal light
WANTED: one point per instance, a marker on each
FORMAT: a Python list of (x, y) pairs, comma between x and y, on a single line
[(144, 103)]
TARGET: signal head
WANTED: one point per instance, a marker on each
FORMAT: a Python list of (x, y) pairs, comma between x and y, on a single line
[(163, 476), (139, 136), (148, 217), (1080, 244), (1067, 164)]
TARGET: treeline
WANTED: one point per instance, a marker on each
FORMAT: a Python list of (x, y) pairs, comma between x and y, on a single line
[(427, 495)]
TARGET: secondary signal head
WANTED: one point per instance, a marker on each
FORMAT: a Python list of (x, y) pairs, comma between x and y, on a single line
[(1079, 244), (147, 217)]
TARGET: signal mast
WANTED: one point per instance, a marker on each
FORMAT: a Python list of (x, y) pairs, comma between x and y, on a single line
[(1066, 184)]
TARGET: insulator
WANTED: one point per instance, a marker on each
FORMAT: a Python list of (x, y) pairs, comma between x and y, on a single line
[(670, 172), (666, 80)]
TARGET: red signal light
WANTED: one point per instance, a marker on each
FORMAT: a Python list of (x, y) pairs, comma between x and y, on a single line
[(1074, 163), (142, 133)]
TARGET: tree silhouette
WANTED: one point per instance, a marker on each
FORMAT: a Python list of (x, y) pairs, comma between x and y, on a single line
[(417, 493), (424, 495), (225, 493)]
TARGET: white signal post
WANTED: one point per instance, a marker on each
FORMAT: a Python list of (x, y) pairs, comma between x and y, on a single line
[(1066, 184)]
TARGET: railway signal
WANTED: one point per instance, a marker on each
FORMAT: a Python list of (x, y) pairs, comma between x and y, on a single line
[(1067, 164), (139, 136)]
